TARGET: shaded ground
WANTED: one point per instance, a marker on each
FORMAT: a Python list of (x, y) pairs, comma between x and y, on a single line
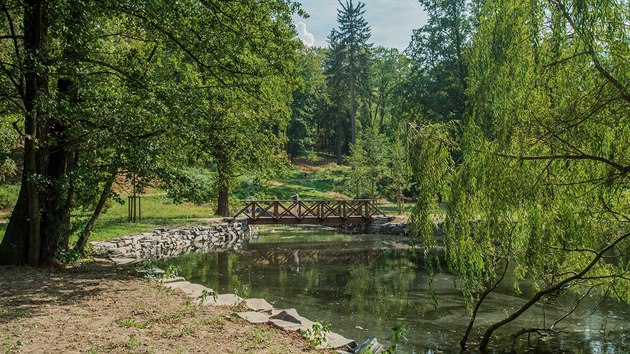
[(101, 309)]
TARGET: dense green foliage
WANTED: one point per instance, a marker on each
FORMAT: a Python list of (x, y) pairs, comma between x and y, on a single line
[(308, 125), (541, 188), (435, 87)]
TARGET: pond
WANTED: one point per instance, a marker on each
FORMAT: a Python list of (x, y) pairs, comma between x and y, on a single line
[(363, 285)]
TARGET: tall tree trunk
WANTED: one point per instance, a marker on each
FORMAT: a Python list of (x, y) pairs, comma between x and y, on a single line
[(23, 239), (223, 207), (223, 200), (60, 159), (353, 109), (381, 127), (340, 139), (55, 221), (87, 230), (33, 41), (459, 38)]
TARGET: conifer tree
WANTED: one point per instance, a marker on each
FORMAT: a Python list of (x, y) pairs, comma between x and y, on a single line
[(348, 63)]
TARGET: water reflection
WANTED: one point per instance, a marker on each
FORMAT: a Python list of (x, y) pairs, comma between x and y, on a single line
[(364, 287)]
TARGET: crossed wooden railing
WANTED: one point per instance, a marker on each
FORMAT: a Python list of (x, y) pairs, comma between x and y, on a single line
[(324, 212)]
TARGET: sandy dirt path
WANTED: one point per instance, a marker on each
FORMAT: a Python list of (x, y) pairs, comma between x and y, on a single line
[(103, 309)]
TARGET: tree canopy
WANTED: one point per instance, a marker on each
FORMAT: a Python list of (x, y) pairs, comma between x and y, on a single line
[(120, 87)]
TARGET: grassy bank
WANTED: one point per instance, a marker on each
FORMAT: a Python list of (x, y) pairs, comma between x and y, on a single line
[(157, 211)]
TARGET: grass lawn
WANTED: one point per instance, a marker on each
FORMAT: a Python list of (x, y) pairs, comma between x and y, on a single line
[(316, 186), (157, 211), (319, 179), (391, 209)]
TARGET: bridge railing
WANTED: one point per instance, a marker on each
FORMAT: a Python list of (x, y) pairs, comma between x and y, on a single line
[(309, 211)]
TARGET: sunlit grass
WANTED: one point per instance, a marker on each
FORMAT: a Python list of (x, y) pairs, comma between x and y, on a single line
[(157, 211), (392, 208)]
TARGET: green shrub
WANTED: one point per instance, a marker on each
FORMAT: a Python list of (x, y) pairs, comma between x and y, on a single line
[(8, 195)]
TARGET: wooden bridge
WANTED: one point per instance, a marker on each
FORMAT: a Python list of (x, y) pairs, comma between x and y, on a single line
[(317, 212)]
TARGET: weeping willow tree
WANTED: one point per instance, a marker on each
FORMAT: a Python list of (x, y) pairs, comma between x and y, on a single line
[(541, 187)]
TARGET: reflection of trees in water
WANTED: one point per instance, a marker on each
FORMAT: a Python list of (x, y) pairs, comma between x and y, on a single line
[(375, 280), (307, 256), (370, 271), (215, 270), (370, 288), (381, 286)]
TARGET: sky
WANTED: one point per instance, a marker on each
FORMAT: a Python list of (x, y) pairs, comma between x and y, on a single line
[(391, 21)]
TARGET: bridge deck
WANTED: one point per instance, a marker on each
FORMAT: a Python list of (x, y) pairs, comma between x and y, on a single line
[(314, 212)]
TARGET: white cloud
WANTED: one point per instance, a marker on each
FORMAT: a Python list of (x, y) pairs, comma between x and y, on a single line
[(304, 34)]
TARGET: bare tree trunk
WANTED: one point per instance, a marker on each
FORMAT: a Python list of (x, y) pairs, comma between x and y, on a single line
[(57, 201), (223, 208), (34, 37), (34, 215), (14, 246), (353, 110), (223, 200), (87, 230), (340, 140)]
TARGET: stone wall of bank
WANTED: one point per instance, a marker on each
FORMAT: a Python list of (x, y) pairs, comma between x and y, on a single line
[(379, 226), (164, 243), (385, 226)]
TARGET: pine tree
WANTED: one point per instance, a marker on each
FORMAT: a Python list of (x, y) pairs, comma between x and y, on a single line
[(348, 63)]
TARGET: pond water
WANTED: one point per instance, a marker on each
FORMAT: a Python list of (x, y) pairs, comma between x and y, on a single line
[(364, 285)]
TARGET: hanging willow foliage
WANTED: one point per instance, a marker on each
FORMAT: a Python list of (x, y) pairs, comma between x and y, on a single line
[(542, 179)]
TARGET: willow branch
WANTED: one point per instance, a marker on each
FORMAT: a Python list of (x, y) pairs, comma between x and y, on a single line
[(615, 165), (591, 51), (540, 294), (577, 303), (482, 297)]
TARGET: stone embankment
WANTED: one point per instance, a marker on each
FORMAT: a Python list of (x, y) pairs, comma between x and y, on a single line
[(385, 225), (163, 243), (388, 226)]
